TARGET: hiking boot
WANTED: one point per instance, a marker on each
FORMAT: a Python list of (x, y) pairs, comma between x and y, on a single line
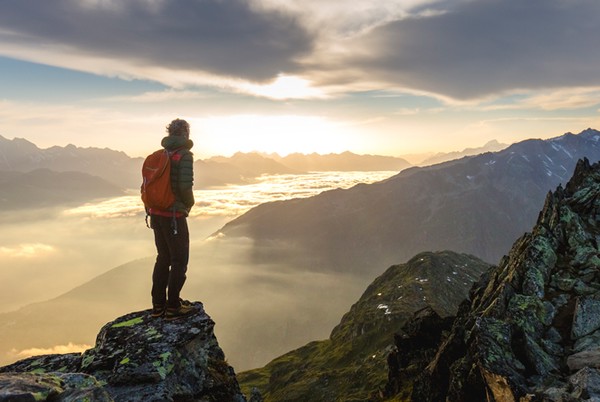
[(184, 310), (185, 302), (158, 311)]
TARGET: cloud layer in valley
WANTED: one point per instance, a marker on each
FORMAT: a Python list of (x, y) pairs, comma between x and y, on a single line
[(78, 243), (50, 252)]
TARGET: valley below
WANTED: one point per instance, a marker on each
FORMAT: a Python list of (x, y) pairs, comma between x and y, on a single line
[(276, 262), (69, 270)]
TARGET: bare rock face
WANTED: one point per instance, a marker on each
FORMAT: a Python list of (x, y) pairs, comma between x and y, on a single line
[(415, 345), (136, 358), (531, 330)]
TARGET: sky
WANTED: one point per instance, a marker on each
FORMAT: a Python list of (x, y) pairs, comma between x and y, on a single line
[(387, 77)]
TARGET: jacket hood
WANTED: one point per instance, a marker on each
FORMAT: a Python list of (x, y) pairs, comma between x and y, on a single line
[(173, 142)]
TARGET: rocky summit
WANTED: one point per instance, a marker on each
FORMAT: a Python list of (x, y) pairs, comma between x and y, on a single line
[(531, 330), (136, 358)]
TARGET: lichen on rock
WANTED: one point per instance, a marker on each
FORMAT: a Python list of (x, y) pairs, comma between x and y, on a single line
[(139, 358), (531, 330)]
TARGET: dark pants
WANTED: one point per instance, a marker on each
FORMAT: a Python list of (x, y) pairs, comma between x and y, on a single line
[(172, 260)]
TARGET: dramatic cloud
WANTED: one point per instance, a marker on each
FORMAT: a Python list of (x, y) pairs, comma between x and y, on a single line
[(452, 49), (477, 48), (224, 38), (343, 19)]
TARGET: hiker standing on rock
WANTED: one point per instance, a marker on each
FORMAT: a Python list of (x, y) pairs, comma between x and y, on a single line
[(168, 177)]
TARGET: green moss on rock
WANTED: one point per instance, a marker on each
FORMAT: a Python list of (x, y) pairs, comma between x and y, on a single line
[(129, 323)]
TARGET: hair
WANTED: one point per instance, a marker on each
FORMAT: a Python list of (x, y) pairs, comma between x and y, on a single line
[(179, 127)]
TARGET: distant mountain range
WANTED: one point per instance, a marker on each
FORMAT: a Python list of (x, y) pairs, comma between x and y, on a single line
[(476, 205), (490, 146), (241, 168), (346, 161), (43, 188), (113, 166)]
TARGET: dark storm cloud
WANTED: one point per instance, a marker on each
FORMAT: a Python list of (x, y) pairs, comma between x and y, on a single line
[(484, 47), (224, 37)]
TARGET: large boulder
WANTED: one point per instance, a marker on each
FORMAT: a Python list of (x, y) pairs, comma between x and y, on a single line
[(136, 358)]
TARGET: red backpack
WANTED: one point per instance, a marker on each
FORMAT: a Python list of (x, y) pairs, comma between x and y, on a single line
[(156, 185)]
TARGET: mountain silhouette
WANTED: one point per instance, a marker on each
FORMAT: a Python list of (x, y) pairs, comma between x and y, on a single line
[(476, 205), (115, 167), (43, 187), (21, 155), (346, 161), (490, 146), (255, 164)]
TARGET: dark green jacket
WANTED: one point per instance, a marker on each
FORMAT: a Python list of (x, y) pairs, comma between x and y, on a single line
[(182, 172)]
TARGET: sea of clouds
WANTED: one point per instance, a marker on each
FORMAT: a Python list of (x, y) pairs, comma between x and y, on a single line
[(47, 252)]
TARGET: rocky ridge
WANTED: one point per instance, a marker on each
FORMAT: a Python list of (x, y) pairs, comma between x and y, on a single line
[(530, 331), (490, 146), (136, 358), (476, 205), (347, 366)]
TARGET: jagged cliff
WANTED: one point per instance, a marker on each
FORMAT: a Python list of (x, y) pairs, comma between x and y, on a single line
[(531, 331), (136, 358)]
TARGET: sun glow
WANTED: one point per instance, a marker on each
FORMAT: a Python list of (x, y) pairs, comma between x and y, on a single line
[(284, 87), (26, 250), (59, 349), (280, 134)]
